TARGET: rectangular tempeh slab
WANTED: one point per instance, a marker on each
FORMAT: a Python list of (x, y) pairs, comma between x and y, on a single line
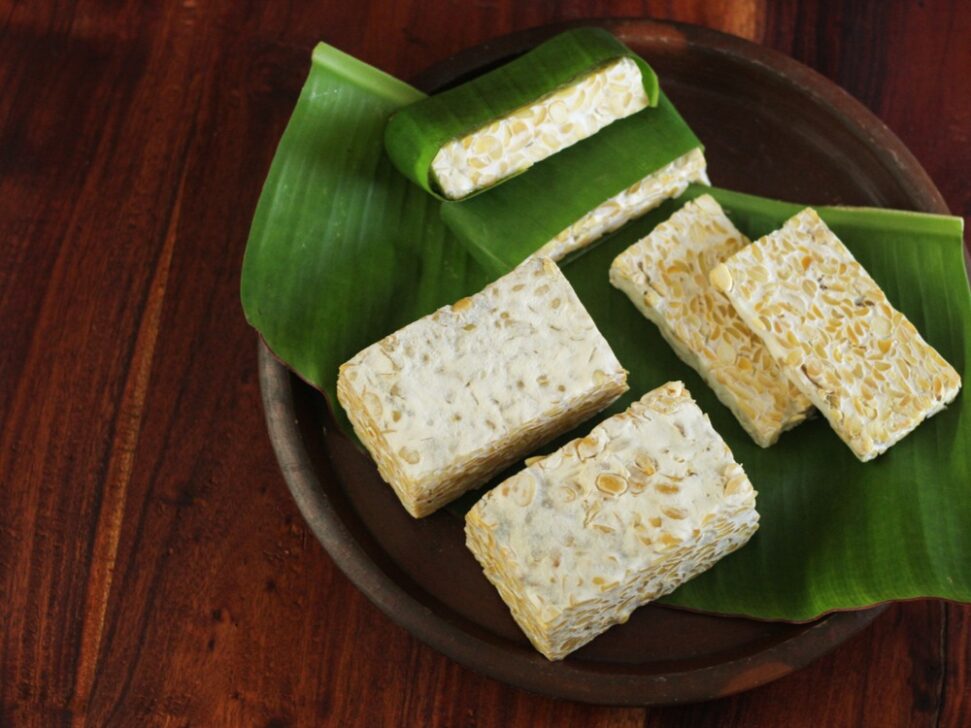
[(451, 399), (665, 275), (840, 341), (579, 539)]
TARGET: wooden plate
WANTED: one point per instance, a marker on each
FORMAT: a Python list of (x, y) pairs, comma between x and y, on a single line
[(772, 127)]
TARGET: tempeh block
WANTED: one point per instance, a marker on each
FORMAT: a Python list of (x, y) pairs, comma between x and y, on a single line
[(581, 538), (665, 275), (838, 338), (449, 400)]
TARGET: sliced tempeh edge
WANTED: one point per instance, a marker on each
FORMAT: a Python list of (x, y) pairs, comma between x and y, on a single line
[(665, 275)]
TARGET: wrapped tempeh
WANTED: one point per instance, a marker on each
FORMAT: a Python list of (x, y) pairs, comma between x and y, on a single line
[(567, 202), (459, 142)]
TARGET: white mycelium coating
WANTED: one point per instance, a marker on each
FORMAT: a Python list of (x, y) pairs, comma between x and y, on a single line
[(534, 132), (451, 399), (579, 539), (838, 338), (646, 194), (665, 275)]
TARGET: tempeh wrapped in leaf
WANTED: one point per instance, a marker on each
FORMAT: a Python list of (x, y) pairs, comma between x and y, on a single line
[(469, 138), (570, 201)]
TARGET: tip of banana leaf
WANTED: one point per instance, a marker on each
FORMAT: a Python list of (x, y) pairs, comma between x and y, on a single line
[(364, 76)]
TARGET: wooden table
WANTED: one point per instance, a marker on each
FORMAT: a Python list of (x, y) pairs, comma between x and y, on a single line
[(153, 569)]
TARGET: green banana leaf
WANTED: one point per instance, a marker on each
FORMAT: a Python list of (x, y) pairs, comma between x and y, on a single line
[(505, 225), (416, 133), (343, 250)]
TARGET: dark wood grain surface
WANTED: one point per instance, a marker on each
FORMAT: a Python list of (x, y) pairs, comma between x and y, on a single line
[(153, 569)]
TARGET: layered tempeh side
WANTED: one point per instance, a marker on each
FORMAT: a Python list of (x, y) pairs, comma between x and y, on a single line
[(579, 539), (644, 195), (451, 399), (534, 132), (838, 338), (665, 275)]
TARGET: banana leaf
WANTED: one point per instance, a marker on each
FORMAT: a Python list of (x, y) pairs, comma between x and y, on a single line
[(506, 224), (343, 250), (416, 133), (337, 223)]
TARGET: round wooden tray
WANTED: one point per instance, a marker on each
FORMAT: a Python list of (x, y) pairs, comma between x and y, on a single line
[(771, 126)]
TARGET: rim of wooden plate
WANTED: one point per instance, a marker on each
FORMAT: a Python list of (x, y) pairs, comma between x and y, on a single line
[(593, 683)]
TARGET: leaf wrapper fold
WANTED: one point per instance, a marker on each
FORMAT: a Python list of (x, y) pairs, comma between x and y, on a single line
[(416, 132)]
